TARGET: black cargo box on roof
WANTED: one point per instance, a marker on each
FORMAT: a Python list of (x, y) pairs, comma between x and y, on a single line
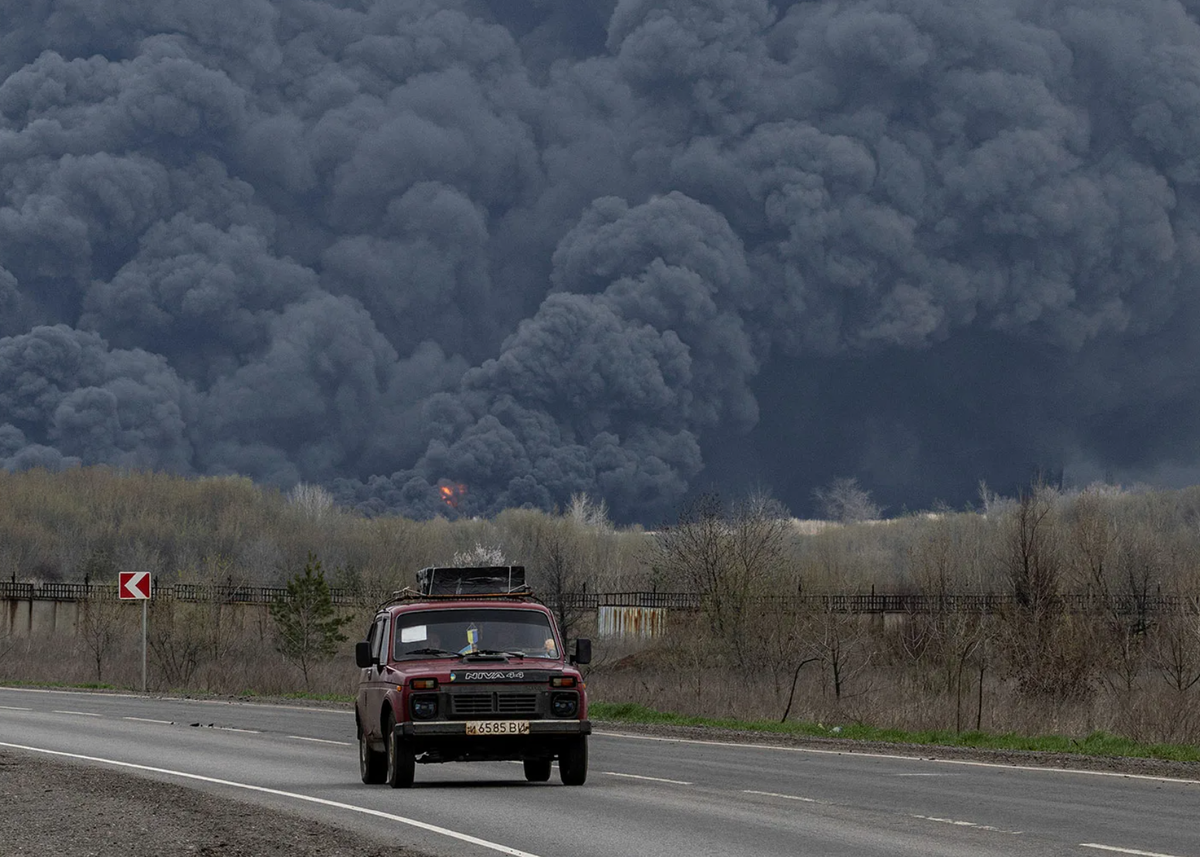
[(451, 580)]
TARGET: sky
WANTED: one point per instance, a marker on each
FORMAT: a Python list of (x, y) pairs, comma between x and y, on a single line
[(447, 258)]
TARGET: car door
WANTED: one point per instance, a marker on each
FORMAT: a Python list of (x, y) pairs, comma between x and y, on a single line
[(371, 685)]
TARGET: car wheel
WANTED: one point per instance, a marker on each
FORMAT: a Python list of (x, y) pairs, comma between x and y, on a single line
[(401, 761), (537, 770), (372, 765), (573, 762)]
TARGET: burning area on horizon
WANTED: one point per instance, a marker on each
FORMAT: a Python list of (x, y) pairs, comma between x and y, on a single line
[(452, 493)]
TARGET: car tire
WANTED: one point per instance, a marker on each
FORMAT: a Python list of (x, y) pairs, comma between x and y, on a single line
[(401, 761), (537, 770), (372, 765), (573, 762)]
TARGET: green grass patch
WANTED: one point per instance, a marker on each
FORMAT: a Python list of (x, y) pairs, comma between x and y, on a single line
[(1096, 744), (87, 685), (298, 695), (320, 697)]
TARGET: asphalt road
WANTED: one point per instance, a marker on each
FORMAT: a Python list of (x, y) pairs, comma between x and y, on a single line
[(645, 796)]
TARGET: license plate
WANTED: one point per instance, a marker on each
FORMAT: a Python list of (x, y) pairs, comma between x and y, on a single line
[(497, 727)]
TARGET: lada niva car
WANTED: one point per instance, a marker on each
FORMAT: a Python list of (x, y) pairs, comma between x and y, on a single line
[(469, 667)]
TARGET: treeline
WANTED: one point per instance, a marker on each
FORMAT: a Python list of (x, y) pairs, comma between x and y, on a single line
[(1127, 666), (86, 524)]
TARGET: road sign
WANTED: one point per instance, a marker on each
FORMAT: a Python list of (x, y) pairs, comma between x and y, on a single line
[(134, 585)]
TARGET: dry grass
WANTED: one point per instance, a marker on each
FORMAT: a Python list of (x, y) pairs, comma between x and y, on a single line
[(889, 699)]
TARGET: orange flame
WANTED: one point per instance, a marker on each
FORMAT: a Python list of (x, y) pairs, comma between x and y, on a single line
[(451, 494)]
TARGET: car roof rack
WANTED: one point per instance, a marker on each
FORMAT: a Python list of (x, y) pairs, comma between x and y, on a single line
[(468, 580), (467, 583)]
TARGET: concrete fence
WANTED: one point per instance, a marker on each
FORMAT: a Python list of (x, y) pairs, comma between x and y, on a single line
[(28, 608)]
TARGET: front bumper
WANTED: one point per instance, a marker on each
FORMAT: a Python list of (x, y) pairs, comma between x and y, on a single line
[(457, 728)]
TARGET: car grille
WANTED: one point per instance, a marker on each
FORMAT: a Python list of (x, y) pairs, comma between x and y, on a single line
[(493, 704)]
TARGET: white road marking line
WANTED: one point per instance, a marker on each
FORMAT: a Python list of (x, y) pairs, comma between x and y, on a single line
[(640, 777), (78, 713), (970, 824), (776, 794), (322, 741), (925, 775), (1123, 850), (235, 729), (148, 720), (13, 708), (896, 757), (412, 822)]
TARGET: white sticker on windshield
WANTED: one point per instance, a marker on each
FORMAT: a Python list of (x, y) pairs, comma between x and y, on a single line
[(415, 634)]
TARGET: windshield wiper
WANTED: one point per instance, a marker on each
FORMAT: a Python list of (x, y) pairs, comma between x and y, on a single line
[(431, 652)]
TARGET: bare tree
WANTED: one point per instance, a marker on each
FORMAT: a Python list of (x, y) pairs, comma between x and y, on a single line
[(585, 511), (1118, 559), (694, 551), (785, 647), (480, 555), (1093, 541), (312, 501), (843, 500), (946, 637), (185, 639), (1034, 563), (844, 646), (100, 627), (560, 569), (1176, 651), (727, 558), (176, 641), (1050, 652)]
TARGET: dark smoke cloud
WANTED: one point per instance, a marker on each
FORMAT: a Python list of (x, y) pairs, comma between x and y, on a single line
[(93, 403), (631, 248)]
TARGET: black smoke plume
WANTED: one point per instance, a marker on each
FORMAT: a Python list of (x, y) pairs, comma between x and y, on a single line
[(631, 248)]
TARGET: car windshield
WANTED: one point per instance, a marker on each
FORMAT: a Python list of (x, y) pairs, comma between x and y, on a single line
[(452, 633)]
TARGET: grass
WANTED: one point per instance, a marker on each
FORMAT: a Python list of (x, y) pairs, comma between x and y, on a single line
[(1096, 744), (86, 685), (320, 697)]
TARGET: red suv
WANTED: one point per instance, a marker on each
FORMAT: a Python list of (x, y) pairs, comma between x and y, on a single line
[(469, 668)]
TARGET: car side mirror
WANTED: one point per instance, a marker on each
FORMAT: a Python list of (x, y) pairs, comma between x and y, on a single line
[(362, 654), (583, 652)]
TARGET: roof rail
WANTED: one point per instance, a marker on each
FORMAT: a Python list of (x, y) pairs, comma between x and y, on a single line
[(407, 596)]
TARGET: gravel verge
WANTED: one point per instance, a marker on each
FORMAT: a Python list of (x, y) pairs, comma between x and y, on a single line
[(53, 807)]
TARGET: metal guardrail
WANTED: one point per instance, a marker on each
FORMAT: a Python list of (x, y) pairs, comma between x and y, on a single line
[(854, 603)]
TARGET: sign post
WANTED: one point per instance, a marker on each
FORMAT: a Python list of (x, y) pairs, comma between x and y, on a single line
[(135, 586)]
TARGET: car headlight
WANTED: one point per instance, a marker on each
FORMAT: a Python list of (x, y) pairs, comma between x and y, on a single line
[(564, 704), (424, 707)]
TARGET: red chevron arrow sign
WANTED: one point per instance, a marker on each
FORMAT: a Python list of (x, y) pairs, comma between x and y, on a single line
[(134, 585)]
